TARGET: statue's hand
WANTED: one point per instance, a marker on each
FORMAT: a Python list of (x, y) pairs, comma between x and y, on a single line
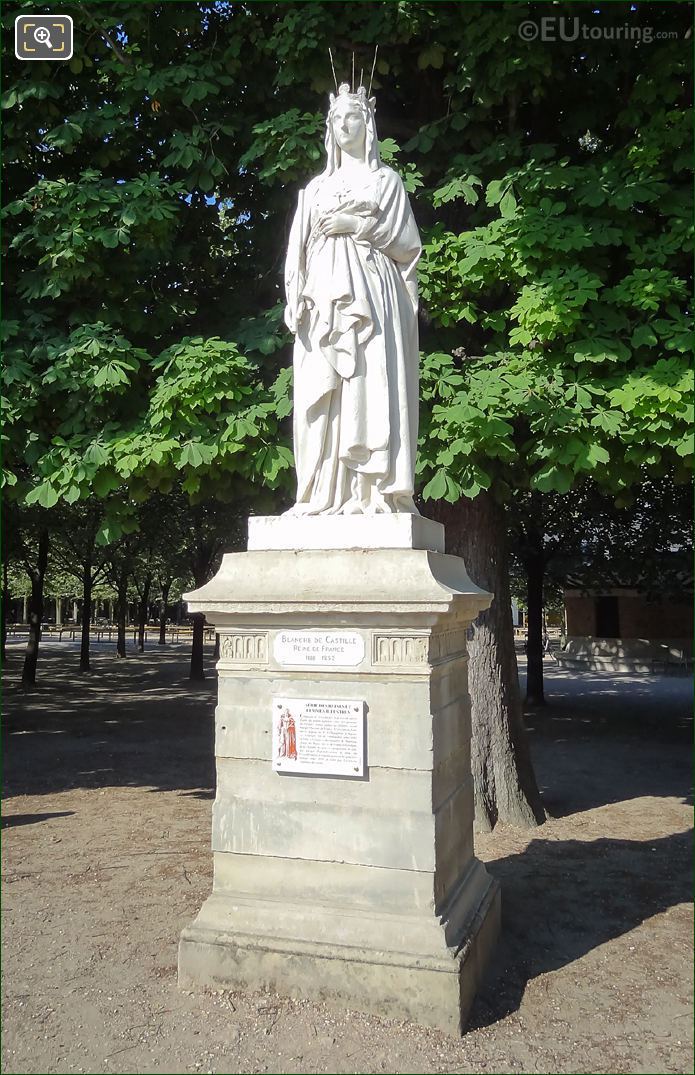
[(339, 224)]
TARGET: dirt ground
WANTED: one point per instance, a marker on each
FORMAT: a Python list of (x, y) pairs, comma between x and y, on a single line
[(108, 788)]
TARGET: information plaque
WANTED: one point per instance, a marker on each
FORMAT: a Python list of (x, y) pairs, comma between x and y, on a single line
[(302, 648), (321, 736)]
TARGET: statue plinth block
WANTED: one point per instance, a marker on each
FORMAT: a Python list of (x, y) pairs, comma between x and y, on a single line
[(358, 890), (307, 532)]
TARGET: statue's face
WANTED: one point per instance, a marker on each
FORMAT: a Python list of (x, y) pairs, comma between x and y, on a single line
[(348, 125)]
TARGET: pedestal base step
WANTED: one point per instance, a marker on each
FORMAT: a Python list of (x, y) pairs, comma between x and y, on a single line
[(434, 991)]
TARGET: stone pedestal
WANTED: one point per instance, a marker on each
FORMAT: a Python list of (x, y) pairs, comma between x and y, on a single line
[(362, 891)]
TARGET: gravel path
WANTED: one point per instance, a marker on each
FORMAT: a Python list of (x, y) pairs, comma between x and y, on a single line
[(108, 788)]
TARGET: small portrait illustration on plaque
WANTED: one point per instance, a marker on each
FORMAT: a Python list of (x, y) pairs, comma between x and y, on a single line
[(320, 736), (287, 736)]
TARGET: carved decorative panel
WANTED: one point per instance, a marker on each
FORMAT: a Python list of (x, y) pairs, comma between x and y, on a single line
[(400, 649), (244, 648), (448, 644)]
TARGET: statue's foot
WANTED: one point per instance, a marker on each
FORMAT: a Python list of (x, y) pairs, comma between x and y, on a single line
[(298, 511), (402, 503), (353, 507), (378, 504)]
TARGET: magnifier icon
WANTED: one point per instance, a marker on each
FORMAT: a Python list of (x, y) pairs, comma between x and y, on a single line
[(42, 35)]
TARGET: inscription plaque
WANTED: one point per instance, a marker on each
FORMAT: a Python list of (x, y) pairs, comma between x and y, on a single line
[(343, 648), (321, 736)]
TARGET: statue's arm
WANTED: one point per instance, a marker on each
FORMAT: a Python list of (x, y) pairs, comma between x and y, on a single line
[(393, 230)]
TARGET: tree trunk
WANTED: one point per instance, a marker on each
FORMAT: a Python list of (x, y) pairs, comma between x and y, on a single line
[(143, 608), (166, 586), (87, 581), (5, 607), (37, 575), (197, 670), (7, 536), (504, 783), (121, 613), (534, 633)]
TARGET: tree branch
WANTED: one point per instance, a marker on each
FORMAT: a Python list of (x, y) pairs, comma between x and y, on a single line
[(108, 39)]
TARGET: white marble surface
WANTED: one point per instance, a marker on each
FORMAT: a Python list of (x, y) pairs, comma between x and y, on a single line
[(315, 532), (352, 298)]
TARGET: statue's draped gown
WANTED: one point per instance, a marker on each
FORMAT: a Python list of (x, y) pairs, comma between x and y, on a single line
[(352, 302)]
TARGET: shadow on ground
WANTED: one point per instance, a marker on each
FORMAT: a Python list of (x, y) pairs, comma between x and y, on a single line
[(603, 738), (136, 722), (13, 820), (608, 887)]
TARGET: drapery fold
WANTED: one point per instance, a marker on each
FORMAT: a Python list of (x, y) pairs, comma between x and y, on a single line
[(352, 302)]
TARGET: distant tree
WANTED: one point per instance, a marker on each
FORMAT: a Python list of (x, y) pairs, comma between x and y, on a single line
[(558, 538), (30, 548), (119, 570), (211, 528), (79, 553)]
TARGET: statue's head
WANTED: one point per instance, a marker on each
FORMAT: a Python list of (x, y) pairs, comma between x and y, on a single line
[(348, 119), (350, 125)]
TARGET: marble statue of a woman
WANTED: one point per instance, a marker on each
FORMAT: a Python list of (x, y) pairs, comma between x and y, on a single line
[(351, 284)]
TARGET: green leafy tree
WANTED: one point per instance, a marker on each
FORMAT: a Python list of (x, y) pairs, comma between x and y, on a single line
[(556, 272), (119, 260)]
